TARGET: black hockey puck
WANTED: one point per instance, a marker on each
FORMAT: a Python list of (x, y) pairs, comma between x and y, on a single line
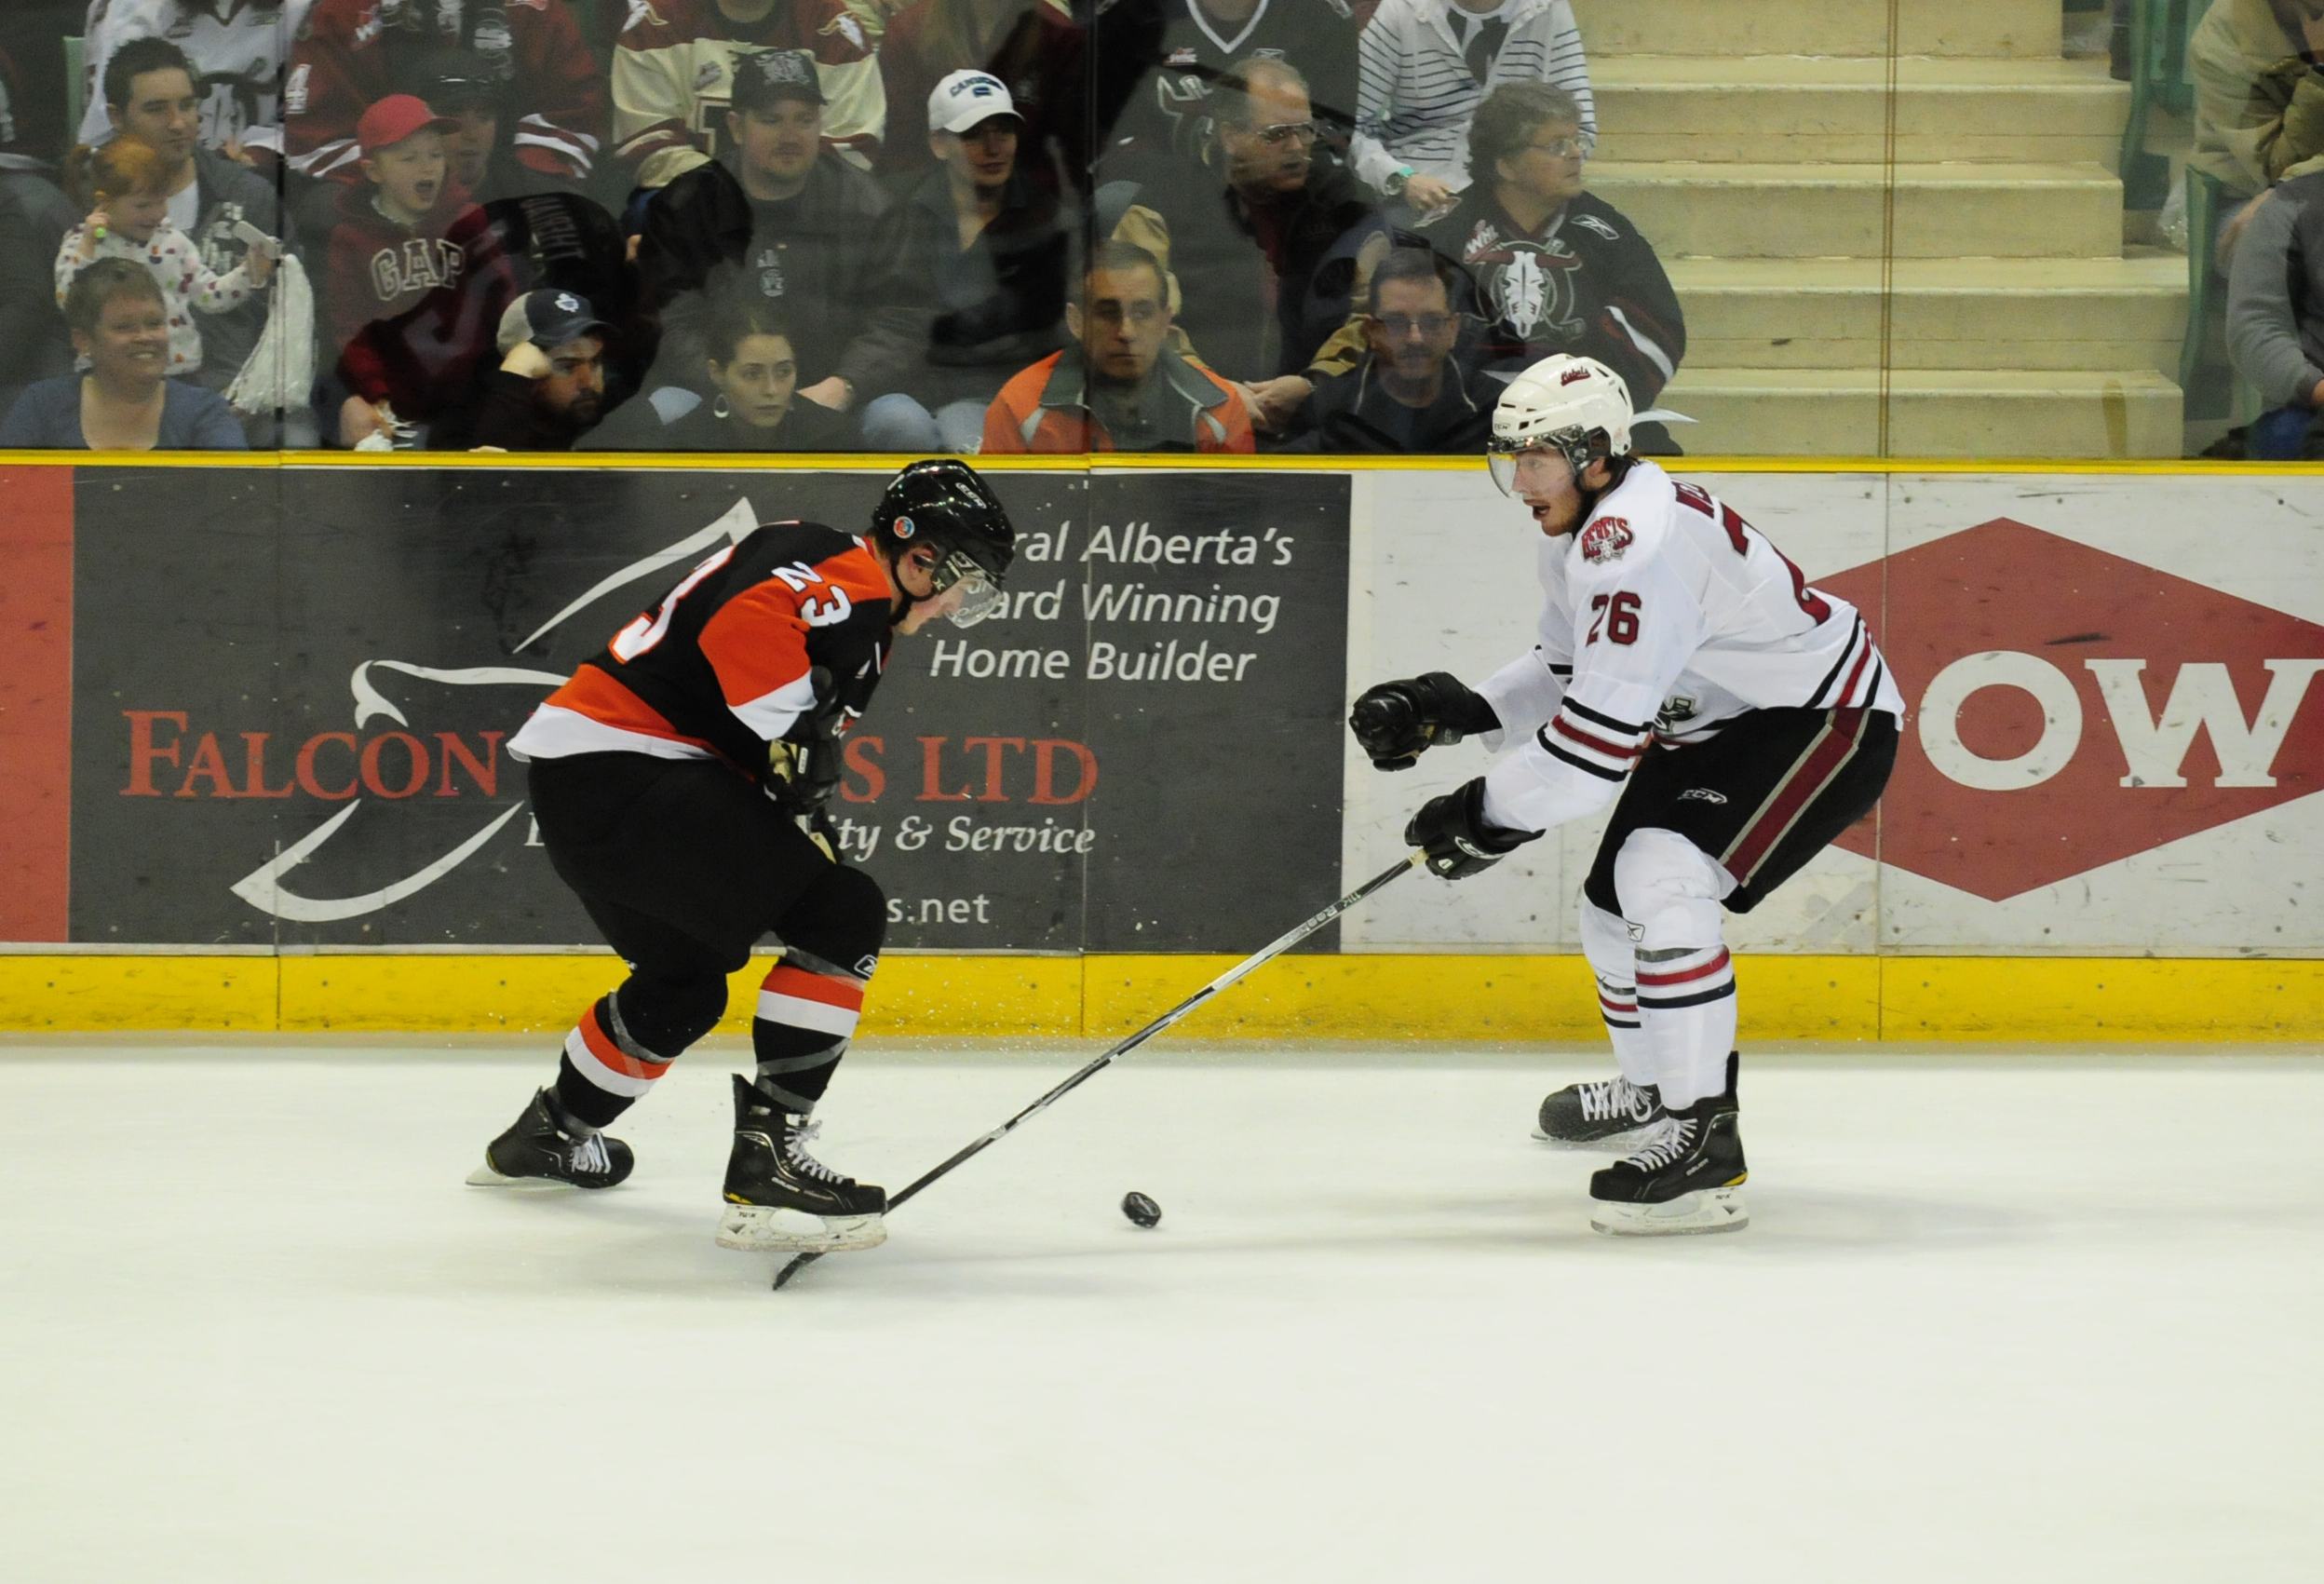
[(1139, 1209)]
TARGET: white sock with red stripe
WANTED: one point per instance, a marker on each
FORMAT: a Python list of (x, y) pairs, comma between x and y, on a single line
[(604, 1071), (1606, 942), (806, 1015), (1685, 979)]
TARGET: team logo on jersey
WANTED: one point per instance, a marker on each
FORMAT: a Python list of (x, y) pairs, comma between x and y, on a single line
[(1530, 285), (1592, 223), (1605, 540)]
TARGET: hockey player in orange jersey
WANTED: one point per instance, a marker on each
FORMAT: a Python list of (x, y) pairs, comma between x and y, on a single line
[(680, 780)]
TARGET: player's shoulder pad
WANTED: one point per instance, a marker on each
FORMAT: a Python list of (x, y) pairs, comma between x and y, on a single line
[(1628, 528)]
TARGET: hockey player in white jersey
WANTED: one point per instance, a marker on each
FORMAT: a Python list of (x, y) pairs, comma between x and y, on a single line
[(1743, 719)]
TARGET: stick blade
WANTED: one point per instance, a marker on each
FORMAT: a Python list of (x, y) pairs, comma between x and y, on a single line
[(792, 1267)]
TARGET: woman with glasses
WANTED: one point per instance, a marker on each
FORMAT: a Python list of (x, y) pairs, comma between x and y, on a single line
[(1548, 268)]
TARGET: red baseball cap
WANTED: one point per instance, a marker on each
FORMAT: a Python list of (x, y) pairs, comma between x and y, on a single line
[(398, 117)]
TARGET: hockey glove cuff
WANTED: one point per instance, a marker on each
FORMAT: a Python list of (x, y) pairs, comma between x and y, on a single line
[(1460, 843), (1396, 722), (802, 767)]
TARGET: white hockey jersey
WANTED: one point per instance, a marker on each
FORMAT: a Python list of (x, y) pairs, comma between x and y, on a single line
[(237, 48), (1666, 616)]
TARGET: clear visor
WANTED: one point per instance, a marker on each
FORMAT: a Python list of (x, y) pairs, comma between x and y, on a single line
[(1513, 462), (966, 588)]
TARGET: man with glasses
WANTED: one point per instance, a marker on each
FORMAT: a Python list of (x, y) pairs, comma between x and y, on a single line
[(1270, 240), (1408, 396), (1184, 49), (1549, 268), (1119, 386), (680, 780)]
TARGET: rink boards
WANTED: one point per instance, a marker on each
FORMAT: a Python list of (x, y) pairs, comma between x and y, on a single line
[(251, 717)]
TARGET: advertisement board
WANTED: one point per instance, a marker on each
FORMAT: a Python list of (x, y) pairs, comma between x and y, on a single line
[(293, 691)]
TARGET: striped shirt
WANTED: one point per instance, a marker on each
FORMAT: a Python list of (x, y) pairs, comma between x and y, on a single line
[(1415, 94)]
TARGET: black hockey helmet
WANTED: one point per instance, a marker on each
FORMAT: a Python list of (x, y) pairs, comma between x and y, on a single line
[(943, 502)]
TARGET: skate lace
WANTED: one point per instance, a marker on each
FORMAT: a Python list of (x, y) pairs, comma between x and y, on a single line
[(1613, 1097), (1669, 1142), (795, 1142), (588, 1155)]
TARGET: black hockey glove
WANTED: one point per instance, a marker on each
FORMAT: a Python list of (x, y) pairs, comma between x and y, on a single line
[(1396, 722), (1460, 843), (802, 765)]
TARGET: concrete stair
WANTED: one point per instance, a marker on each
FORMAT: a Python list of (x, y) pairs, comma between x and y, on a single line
[(1786, 109), (1987, 413), (1964, 314), (2018, 30), (1893, 234), (1907, 211)]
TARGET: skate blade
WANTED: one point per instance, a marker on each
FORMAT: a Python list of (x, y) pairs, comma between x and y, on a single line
[(1709, 1210), (757, 1229), (1616, 1142)]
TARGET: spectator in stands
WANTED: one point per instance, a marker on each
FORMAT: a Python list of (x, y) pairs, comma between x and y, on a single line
[(349, 54), (404, 298), (2276, 318), (150, 92), (1422, 68), (1409, 395), (1118, 387), (1268, 238), (479, 148), (120, 324), (124, 185), (34, 216), (549, 390), (1033, 46), (980, 255), (1183, 48), (793, 221), (233, 49), (675, 68), (2258, 67), (755, 377), (1549, 268)]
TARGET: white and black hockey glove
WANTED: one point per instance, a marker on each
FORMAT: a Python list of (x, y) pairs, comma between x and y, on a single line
[(1460, 843), (1396, 722)]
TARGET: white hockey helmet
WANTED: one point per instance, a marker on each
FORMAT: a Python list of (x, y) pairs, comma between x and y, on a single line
[(1574, 405)]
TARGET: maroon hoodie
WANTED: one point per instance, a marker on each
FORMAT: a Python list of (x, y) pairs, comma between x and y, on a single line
[(413, 309)]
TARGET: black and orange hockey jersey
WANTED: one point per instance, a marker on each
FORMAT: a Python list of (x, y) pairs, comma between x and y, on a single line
[(721, 667)]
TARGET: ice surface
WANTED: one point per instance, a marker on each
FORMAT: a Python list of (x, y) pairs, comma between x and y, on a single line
[(1995, 1319)]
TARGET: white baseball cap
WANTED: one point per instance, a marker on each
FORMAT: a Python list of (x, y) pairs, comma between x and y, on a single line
[(965, 99)]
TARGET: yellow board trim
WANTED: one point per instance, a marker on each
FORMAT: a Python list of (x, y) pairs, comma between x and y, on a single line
[(1420, 998), (1105, 462)]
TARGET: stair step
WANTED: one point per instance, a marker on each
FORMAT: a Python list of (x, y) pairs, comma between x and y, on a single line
[(2008, 29), (1791, 109), (2054, 414), (2022, 314), (1959, 210)]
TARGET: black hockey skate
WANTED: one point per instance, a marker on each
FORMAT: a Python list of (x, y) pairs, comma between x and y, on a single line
[(781, 1198), (1687, 1177), (1590, 1113), (536, 1149)]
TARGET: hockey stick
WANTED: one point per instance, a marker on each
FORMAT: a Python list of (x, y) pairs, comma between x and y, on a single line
[(1280, 944)]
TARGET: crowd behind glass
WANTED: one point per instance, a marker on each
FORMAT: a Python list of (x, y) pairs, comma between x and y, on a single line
[(996, 225)]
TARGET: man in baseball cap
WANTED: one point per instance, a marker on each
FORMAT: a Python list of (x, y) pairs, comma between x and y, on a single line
[(549, 389), (964, 100)]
